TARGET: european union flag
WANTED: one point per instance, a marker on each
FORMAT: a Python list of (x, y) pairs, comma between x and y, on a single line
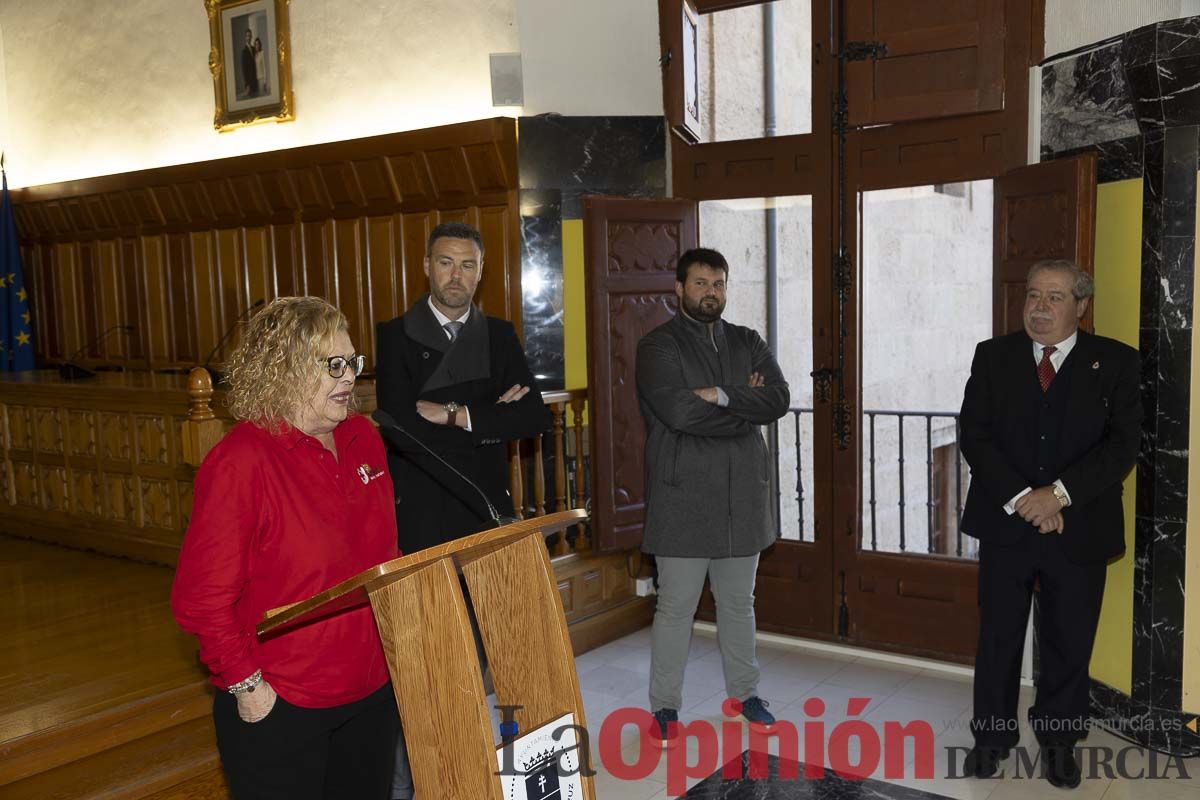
[(16, 330)]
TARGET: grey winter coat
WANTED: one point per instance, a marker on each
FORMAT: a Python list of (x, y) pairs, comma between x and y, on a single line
[(708, 469)]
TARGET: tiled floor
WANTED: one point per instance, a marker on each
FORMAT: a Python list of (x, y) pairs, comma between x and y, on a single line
[(617, 675)]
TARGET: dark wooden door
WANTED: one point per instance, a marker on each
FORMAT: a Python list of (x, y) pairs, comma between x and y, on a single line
[(940, 59), (630, 250), (1042, 211)]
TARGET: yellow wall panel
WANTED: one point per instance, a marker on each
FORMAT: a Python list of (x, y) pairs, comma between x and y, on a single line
[(1117, 315)]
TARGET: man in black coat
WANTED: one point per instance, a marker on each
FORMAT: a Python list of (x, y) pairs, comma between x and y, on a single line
[(249, 66), (1051, 422), (458, 381)]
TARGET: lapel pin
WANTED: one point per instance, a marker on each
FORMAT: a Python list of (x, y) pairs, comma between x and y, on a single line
[(1095, 365)]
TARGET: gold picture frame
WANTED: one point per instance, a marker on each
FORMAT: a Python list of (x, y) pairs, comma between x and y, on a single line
[(250, 62)]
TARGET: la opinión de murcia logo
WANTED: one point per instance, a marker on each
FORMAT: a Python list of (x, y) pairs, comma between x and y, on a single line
[(721, 745)]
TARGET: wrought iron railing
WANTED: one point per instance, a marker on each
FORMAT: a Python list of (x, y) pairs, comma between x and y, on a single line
[(908, 506)]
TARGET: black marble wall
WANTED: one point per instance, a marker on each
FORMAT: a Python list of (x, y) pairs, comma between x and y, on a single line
[(560, 160), (1137, 103)]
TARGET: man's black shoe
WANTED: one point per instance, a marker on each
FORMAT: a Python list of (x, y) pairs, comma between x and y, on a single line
[(1062, 770), (983, 762)]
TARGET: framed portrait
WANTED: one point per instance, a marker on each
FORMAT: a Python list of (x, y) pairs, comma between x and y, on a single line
[(250, 62)]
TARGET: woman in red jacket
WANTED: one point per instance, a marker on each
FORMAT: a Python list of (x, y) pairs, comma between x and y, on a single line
[(294, 499)]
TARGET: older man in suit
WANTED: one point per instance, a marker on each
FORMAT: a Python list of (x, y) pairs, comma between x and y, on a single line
[(1051, 421)]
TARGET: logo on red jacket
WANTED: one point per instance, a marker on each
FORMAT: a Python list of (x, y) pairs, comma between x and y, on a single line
[(367, 473)]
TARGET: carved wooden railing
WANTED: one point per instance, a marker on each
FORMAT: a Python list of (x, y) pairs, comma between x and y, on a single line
[(526, 461)]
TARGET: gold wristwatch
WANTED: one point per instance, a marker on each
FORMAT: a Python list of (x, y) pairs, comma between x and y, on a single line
[(451, 412), (1061, 495)]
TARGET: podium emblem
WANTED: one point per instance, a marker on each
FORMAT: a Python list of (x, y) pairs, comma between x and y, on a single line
[(543, 764)]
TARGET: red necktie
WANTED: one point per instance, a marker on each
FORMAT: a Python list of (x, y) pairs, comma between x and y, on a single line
[(1046, 368)]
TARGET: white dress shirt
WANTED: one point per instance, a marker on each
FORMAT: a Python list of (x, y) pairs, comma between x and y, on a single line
[(443, 320), (1062, 350)]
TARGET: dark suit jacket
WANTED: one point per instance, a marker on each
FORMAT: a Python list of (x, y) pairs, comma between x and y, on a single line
[(416, 362), (1097, 442)]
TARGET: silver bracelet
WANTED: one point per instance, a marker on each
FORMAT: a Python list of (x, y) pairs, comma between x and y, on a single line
[(247, 685)]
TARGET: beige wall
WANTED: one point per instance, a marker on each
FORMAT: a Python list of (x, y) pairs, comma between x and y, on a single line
[(1074, 23), (113, 87)]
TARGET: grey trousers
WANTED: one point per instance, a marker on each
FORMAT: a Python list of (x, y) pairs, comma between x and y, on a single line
[(680, 582)]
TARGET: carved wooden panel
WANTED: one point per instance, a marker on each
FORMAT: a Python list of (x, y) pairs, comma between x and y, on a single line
[(185, 492), (631, 247), (151, 439), (115, 438), (25, 485), (119, 502), (157, 509), (639, 247), (630, 318), (48, 427), (20, 427), (179, 252), (85, 493), (55, 496), (81, 433), (116, 483)]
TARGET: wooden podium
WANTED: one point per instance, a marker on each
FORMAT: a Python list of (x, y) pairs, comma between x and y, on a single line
[(422, 618)]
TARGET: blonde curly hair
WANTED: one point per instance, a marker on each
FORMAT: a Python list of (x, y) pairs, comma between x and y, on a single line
[(277, 365)]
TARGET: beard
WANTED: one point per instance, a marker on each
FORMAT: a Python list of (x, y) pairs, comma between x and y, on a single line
[(451, 296), (707, 309)]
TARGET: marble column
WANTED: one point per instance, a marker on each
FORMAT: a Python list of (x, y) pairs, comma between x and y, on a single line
[(1137, 103)]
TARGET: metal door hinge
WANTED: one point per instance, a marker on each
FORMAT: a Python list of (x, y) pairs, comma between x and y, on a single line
[(861, 51)]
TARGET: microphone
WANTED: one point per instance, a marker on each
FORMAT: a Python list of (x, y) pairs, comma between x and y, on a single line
[(215, 375), (386, 422), (72, 372)]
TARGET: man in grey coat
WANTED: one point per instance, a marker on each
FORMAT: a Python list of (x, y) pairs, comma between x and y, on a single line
[(706, 387)]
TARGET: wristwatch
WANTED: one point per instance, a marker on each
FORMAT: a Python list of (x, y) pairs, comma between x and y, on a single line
[(451, 412), (1061, 495)]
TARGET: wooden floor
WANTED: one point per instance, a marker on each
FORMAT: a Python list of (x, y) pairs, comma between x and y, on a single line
[(82, 633), (95, 677)]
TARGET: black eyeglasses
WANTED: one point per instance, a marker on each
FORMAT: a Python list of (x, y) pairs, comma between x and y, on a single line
[(337, 365)]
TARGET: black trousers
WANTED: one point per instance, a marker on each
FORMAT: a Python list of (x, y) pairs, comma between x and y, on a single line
[(1068, 613), (309, 753)]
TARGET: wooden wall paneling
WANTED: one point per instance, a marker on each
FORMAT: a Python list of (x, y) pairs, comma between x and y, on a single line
[(260, 273), (415, 230), (107, 294), (67, 301), (181, 298), (133, 291), (193, 245), (351, 275), (316, 278), (385, 275), (231, 284), (207, 311), (287, 261), (91, 321), (500, 294), (158, 306)]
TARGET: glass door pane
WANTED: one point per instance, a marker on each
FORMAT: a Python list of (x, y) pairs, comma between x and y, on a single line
[(926, 257), (747, 232)]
